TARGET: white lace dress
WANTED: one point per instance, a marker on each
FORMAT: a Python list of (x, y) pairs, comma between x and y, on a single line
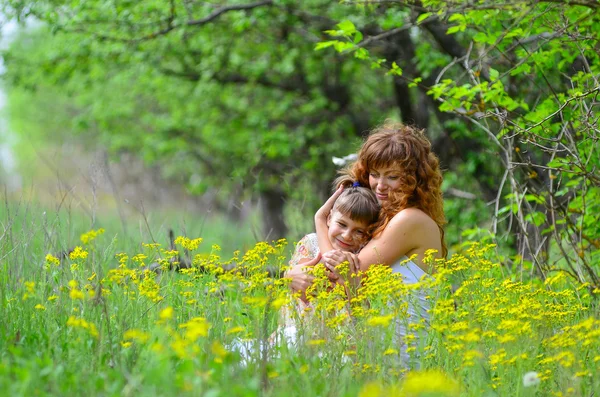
[(298, 312)]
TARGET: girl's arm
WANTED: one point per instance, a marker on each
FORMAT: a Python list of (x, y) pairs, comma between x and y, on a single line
[(321, 221)]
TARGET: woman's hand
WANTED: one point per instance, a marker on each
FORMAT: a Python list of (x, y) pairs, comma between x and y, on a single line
[(301, 279)]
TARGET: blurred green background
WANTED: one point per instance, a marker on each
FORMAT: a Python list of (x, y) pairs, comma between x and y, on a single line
[(222, 119)]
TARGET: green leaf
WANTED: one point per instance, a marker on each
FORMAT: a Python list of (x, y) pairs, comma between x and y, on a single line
[(480, 37), (361, 53), (347, 27), (453, 29), (325, 44), (423, 17), (494, 74), (415, 82), (523, 68), (395, 70), (537, 218), (535, 198), (358, 36)]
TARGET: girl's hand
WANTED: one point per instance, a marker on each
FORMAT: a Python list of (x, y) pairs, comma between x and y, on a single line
[(334, 258), (323, 212), (354, 268)]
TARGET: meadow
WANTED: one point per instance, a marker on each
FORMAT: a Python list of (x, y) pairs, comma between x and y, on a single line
[(82, 314)]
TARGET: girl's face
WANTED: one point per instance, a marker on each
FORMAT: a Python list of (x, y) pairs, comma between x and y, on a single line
[(344, 233), (384, 180)]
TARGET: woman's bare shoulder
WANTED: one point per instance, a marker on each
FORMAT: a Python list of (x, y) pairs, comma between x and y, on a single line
[(412, 217)]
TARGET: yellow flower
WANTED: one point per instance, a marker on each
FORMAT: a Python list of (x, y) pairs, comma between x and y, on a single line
[(166, 313), (255, 301), (91, 235), (39, 307), (52, 298), (157, 347), (151, 245), (279, 302), (235, 330), (139, 259), (218, 349), (136, 335), (195, 328), (374, 389), (76, 294), (380, 321), (78, 253), (429, 382), (75, 322), (188, 244), (52, 260)]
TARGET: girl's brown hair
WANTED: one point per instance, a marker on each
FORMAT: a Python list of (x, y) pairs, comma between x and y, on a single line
[(359, 203), (404, 147)]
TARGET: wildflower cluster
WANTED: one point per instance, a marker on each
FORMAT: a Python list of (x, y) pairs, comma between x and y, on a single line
[(188, 244), (75, 322), (88, 237), (472, 321)]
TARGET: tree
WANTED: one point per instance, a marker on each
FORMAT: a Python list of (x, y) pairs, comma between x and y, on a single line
[(219, 93), (524, 76), (505, 90)]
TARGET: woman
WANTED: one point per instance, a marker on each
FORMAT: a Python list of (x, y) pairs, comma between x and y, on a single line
[(396, 162)]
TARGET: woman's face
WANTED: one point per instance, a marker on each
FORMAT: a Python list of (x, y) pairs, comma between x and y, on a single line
[(384, 180), (344, 233)]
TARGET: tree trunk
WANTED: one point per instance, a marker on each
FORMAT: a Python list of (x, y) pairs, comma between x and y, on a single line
[(272, 203), (413, 110)]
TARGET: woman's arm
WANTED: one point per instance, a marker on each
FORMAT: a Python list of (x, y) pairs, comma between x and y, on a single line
[(409, 232), (305, 255), (397, 239)]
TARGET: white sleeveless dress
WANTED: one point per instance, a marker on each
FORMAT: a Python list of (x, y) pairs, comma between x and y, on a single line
[(418, 308)]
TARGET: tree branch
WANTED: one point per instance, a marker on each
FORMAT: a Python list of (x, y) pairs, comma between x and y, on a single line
[(171, 26), (237, 7)]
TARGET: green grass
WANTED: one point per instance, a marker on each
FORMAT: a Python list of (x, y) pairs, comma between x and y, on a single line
[(102, 326)]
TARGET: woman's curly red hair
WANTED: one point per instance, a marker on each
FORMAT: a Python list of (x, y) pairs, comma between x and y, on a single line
[(406, 147)]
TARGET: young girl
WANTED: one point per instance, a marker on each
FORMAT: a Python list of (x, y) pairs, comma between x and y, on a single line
[(349, 227)]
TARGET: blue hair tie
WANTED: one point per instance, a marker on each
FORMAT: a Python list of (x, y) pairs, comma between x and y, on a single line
[(356, 184)]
